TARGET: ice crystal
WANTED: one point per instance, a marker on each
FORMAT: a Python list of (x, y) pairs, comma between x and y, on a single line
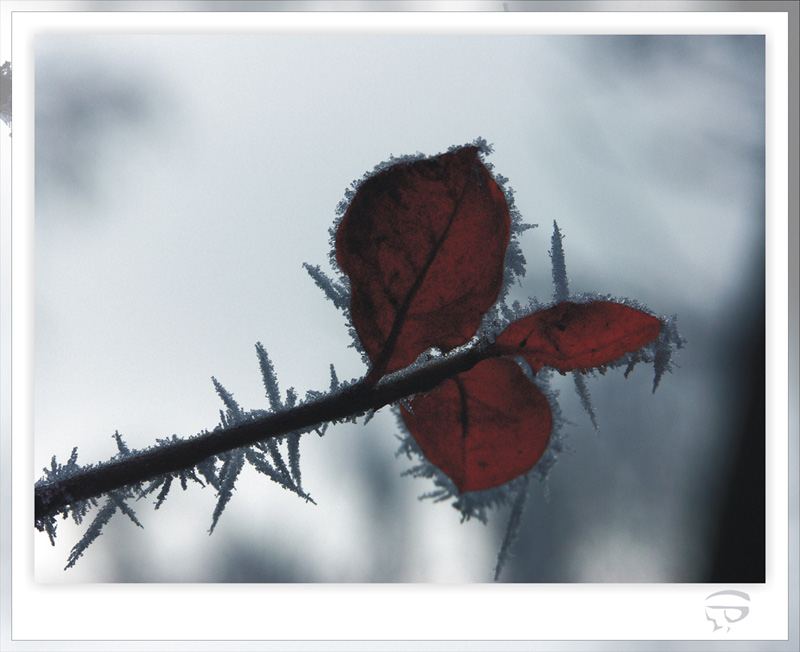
[(269, 377), (336, 292), (560, 280), (233, 461), (583, 393)]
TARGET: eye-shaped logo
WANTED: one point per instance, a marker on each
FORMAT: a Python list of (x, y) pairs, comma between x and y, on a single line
[(724, 608)]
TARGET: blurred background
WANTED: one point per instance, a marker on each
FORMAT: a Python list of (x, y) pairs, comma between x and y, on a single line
[(181, 183)]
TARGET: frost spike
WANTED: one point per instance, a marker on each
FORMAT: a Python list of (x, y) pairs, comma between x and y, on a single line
[(586, 400), (123, 507), (93, 531), (512, 529), (329, 287), (123, 449), (227, 478), (269, 377), (293, 448), (277, 459), (669, 341), (227, 398), (162, 495), (560, 280)]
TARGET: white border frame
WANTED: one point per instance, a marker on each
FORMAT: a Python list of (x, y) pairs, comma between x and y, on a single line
[(331, 612)]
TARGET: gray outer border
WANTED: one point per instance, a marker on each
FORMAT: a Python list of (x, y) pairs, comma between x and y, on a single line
[(792, 8)]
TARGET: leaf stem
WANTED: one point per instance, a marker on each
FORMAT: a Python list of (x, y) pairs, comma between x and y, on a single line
[(52, 497)]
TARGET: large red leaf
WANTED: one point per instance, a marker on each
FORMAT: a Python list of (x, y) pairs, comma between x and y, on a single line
[(483, 427), (423, 244), (578, 335)]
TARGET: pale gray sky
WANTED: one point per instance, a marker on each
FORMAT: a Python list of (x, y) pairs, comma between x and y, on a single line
[(181, 182)]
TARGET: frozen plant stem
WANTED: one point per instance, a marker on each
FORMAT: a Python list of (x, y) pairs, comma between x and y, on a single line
[(53, 497)]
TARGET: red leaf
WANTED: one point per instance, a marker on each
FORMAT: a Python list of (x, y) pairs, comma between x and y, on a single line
[(483, 427), (424, 246), (578, 335)]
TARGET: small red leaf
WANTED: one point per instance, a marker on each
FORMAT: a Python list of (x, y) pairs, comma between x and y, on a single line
[(578, 335), (483, 427), (423, 244)]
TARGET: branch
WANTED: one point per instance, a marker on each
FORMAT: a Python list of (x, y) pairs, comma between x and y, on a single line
[(52, 497)]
